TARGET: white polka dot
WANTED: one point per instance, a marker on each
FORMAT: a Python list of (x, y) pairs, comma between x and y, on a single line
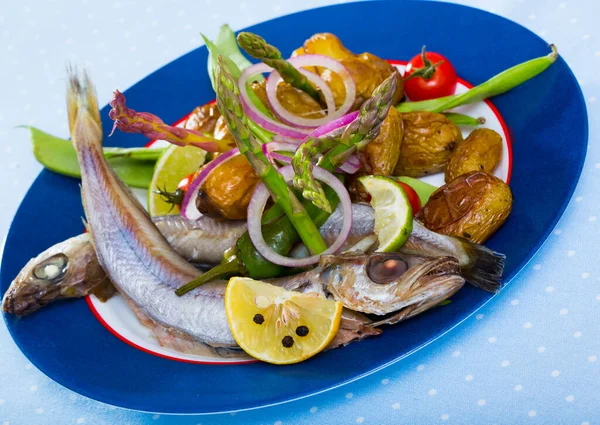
[(541, 349), (597, 163), (586, 36), (577, 334), (555, 373), (570, 398), (33, 388), (598, 297), (156, 417), (563, 311), (420, 367), (571, 253), (531, 17), (585, 275), (527, 325), (505, 363), (1, 401), (456, 353), (573, 20), (592, 359), (557, 232), (562, 5), (579, 199), (514, 302), (550, 289), (481, 402), (469, 378), (313, 409), (5, 423), (80, 420), (360, 420), (592, 218), (537, 266), (396, 406), (479, 317), (518, 388), (385, 381), (277, 423), (585, 423), (39, 410), (532, 413), (492, 339), (445, 416), (349, 396), (432, 391)]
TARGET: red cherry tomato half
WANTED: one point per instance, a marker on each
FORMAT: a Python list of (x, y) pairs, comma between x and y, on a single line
[(186, 181), (413, 198), (430, 81)]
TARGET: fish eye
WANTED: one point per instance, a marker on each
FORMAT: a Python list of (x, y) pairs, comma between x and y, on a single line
[(385, 269), (53, 269)]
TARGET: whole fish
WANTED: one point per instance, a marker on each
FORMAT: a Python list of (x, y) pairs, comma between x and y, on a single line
[(480, 266), (70, 269)]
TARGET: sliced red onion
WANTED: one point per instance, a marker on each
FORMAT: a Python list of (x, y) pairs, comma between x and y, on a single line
[(336, 124), (289, 117), (188, 207), (257, 116), (339, 69), (257, 206), (280, 138)]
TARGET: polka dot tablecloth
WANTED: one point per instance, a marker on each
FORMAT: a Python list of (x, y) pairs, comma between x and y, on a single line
[(529, 356)]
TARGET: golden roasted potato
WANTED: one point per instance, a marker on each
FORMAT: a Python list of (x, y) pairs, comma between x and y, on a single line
[(472, 206), (429, 141), (203, 118), (367, 70), (227, 191), (221, 131), (480, 151), (381, 155), (292, 99)]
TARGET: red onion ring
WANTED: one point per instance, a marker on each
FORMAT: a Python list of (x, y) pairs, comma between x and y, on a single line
[(256, 115), (336, 124), (188, 206), (289, 117), (257, 206)]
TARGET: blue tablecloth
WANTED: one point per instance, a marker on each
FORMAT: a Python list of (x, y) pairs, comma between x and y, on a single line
[(529, 356)]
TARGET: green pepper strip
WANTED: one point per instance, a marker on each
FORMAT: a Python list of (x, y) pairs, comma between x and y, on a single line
[(498, 84)]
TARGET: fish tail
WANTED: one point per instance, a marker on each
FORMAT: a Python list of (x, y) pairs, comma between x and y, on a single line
[(484, 268), (82, 104)]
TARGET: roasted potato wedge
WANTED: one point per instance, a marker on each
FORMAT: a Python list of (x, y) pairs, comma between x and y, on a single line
[(367, 70), (203, 118), (429, 142), (480, 151), (472, 206), (227, 191), (292, 99)]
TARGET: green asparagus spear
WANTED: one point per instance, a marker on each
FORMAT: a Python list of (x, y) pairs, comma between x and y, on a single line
[(231, 108), (258, 48)]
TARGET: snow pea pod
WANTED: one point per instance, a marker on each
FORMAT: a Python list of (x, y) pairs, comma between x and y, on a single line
[(498, 84), (462, 119)]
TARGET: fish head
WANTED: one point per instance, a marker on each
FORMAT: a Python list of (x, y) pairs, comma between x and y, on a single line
[(65, 270), (383, 283)]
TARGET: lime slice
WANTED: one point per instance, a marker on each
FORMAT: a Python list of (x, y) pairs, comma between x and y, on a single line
[(393, 213), (279, 326), (173, 165)]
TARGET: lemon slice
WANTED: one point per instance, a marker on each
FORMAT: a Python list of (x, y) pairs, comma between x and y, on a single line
[(279, 326), (393, 213), (173, 165)]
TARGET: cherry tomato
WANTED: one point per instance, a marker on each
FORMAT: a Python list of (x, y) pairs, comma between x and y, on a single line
[(429, 76), (187, 181), (413, 198)]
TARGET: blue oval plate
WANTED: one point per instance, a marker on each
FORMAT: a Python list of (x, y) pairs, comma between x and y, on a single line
[(546, 116)]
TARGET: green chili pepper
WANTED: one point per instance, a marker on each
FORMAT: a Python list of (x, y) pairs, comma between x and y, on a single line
[(134, 166), (498, 84)]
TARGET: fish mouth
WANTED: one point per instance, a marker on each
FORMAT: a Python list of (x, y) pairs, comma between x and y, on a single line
[(22, 302)]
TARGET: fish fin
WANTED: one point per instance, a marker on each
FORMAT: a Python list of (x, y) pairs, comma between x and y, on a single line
[(485, 267), (82, 105)]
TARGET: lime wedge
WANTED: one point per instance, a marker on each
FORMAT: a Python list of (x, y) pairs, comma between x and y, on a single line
[(393, 213), (173, 165)]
